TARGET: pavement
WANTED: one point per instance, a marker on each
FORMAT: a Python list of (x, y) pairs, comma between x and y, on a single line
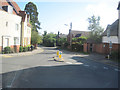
[(95, 57), (35, 51)]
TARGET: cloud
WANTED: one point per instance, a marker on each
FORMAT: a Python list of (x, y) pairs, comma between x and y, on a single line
[(107, 13)]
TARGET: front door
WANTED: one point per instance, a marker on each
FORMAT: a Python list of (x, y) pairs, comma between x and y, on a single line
[(6, 42)]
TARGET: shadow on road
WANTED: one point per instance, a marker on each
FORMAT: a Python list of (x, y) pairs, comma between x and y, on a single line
[(63, 76)]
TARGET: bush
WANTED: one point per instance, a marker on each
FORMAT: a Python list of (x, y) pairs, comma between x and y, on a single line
[(32, 47), (25, 49), (21, 49), (115, 55), (7, 50), (77, 47), (28, 48)]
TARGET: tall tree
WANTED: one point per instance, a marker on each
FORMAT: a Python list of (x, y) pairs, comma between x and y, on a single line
[(94, 25), (31, 9), (95, 28)]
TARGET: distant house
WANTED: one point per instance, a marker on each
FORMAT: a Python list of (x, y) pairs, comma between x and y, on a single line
[(25, 29), (10, 26), (75, 33)]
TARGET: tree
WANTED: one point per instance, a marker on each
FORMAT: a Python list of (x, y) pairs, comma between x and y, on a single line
[(34, 37), (31, 9), (96, 29), (49, 39), (40, 39)]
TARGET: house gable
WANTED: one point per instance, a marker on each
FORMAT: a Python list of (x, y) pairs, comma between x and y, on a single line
[(113, 29)]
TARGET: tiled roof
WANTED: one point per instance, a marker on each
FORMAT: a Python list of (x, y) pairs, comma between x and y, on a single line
[(82, 33), (16, 8), (113, 29)]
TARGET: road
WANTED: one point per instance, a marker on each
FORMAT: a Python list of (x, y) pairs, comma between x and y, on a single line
[(41, 71)]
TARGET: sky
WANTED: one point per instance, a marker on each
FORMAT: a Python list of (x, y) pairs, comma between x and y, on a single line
[(53, 14)]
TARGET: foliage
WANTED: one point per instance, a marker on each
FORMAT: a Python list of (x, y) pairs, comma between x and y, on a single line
[(25, 49), (115, 55), (49, 39), (7, 50), (40, 39), (96, 29), (34, 37), (21, 49), (61, 41), (77, 43), (31, 9), (79, 40)]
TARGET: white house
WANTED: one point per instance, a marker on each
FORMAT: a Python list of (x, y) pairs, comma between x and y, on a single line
[(15, 28), (10, 28)]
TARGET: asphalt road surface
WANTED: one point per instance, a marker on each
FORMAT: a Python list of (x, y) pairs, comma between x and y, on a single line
[(41, 71)]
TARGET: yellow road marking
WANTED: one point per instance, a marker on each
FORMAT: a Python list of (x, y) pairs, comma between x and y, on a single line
[(6, 56)]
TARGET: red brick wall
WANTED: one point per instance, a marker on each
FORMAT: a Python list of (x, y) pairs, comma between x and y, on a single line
[(102, 48), (85, 47)]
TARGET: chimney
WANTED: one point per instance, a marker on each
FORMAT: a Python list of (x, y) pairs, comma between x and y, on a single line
[(119, 23)]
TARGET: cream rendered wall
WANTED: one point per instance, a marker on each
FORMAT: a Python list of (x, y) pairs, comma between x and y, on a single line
[(113, 39), (26, 32), (10, 30)]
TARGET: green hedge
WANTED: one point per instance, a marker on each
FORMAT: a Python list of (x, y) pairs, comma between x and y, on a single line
[(25, 49), (7, 50), (21, 49), (77, 47), (115, 55)]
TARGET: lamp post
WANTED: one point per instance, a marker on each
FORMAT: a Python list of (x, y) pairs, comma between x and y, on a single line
[(70, 36)]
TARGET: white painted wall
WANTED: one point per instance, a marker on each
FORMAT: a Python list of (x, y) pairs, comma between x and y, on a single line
[(113, 39), (9, 31)]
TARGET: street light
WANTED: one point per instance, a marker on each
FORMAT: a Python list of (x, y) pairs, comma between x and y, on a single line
[(69, 32)]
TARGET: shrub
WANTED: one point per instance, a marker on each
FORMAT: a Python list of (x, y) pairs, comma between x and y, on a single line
[(25, 49), (28, 47), (7, 50), (115, 55), (21, 49)]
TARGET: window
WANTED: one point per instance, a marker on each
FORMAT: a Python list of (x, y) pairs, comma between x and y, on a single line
[(17, 27), (16, 40), (6, 24)]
